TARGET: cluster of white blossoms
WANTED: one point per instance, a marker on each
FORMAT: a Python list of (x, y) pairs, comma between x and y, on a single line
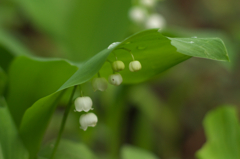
[(116, 79), (85, 104), (142, 14)]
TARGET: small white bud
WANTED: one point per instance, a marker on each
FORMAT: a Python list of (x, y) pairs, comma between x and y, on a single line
[(118, 66), (88, 120), (83, 104), (155, 21), (135, 66), (115, 79), (100, 84), (137, 14)]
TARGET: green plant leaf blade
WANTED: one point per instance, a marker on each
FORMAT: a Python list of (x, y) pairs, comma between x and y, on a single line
[(209, 48), (31, 80), (87, 70), (223, 134), (11, 146), (68, 150), (35, 121), (31, 96), (130, 152), (158, 53)]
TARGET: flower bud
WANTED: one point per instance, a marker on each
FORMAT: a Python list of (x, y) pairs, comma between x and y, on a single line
[(115, 79), (135, 66), (83, 104), (100, 84), (118, 66), (87, 120)]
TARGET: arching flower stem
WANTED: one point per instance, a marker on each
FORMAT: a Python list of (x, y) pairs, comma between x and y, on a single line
[(127, 51)]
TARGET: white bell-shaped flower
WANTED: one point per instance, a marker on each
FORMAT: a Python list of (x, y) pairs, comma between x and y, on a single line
[(100, 84), (118, 66), (135, 66), (115, 79), (88, 120), (83, 104)]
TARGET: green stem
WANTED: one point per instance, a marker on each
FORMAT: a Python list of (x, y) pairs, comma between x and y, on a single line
[(111, 65), (63, 123), (81, 91), (127, 51)]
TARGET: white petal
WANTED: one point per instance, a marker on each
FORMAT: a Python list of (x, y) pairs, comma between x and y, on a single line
[(135, 66), (115, 79), (83, 104), (99, 84), (87, 120)]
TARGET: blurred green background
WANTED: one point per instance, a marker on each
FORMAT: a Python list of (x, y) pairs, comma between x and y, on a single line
[(163, 115)]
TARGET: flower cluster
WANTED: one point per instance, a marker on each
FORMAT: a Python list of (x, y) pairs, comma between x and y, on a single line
[(85, 103), (116, 79)]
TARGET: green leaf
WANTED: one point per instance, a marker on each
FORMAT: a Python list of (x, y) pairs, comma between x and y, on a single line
[(130, 152), (67, 150), (158, 53), (31, 80), (223, 134), (83, 27), (87, 70), (11, 146), (32, 83), (210, 48)]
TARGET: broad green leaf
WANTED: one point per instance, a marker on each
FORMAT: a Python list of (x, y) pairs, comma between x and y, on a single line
[(209, 48), (87, 69), (83, 27), (32, 83), (158, 53), (130, 152), (67, 150), (210, 33), (35, 122), (11, 146), (223, 134), (10, 47), (31, 80)]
